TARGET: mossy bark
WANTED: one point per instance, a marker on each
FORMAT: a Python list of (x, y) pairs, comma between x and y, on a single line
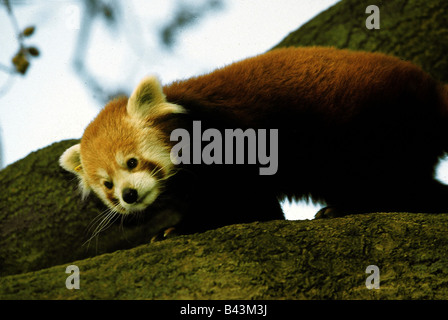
[(319, 259), (43, 223)]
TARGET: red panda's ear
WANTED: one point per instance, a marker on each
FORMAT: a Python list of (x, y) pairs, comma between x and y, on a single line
[(148, 100), (70, 160)]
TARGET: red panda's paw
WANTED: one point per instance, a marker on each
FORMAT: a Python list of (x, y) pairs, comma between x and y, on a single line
[(164, 234), (330, 212)]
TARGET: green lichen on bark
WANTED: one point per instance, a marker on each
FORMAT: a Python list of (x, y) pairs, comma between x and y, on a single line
[(319, 259)]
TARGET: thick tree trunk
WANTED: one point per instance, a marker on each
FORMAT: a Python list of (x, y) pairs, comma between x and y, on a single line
[(319, 259)]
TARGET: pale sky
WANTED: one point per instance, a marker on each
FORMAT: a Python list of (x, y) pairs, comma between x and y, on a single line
[(51, 103)]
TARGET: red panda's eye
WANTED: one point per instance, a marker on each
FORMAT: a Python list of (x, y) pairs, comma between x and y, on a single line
[(108, 184), (132, 163)]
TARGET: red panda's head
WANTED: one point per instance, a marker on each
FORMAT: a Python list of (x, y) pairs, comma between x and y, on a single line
[(124, 156)]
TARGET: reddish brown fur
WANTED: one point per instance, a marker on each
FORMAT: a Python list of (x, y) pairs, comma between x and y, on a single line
[(319, 80), (360, 131), (99, 139), (106, 136)]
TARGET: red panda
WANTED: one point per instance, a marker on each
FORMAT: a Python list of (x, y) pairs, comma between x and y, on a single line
[(361, 132)]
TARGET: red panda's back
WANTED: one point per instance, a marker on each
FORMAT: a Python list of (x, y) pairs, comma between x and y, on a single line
[(327, 81)]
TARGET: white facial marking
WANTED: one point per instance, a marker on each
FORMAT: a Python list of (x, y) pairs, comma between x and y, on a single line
[(102, 174), (142, 182), (121, 160)]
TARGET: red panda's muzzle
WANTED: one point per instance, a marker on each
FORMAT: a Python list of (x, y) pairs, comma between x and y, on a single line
[(129, 195)]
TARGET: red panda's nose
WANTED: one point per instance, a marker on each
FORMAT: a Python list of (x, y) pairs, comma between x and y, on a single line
[(130, 195)]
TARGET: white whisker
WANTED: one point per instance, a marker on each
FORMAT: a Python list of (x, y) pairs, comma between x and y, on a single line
[(104, 220)]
